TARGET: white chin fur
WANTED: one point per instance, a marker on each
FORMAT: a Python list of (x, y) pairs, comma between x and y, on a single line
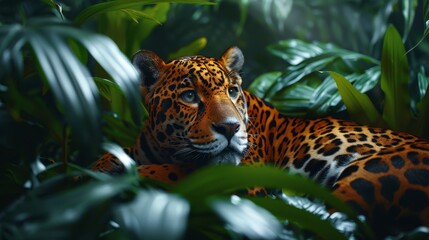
[(226, 157)]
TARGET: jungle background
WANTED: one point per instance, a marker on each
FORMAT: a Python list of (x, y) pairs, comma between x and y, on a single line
[(68, 93)]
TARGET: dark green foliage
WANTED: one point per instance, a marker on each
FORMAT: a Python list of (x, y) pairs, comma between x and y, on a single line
[(302, 89), (66, 80)]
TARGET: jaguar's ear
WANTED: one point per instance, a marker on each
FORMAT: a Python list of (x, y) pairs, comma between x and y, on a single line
[(149, 64), (233, 59)]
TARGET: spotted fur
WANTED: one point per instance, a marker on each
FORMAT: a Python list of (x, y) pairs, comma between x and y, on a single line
[(199, 115)]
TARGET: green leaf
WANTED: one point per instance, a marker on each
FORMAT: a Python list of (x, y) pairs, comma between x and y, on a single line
[(316, 57), (295, 51), (247, 219), (54, 210), (153, 215), (231, 178), (129, 35), (262, 83), (301, 90), (408, 11), (136, 15), (358, 104), (228, 179), (125, 4), (191, 49), (302, 218), (68, 80), (108, 55), (118, 152), (118, 125), (394, 81)]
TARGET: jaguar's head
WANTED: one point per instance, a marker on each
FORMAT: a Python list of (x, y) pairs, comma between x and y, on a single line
[(197, 109)]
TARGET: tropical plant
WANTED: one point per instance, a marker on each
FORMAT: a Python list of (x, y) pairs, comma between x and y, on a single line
[(306, 89), (60, 87), (59, 84)]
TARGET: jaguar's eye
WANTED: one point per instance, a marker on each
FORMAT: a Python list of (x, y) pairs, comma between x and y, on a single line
[(233, 92), (189, 96)]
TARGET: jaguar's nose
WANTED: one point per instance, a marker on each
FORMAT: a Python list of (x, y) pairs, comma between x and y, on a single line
[(228, 129)]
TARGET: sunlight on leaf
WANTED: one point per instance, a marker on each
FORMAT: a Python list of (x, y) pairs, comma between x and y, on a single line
[(153, 215), (230, 178), (128, 163), (247, 219), (303, 218)]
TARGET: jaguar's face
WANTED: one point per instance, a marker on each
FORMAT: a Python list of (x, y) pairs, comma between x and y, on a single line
[(197, 110)]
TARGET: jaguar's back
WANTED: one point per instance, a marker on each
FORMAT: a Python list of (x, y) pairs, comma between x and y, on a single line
[(383, 174), (199, 115)]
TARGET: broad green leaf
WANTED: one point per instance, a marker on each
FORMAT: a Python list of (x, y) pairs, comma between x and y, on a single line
[(303, 218), (301, 90), (247, 219), (153, 215), (129, 35), (191, 49), (295, 51), (70, 83), (125, 4), (107, 54), (322, 59), (68, 79), (228, 179), (55, 209), (262, 83), (358, 104), (394, 81), (118, 152), (298, 99)]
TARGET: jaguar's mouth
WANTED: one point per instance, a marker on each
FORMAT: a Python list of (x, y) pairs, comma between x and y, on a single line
[(217, 152), (228, 156)]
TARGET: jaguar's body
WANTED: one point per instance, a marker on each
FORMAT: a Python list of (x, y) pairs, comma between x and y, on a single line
[(199, 115)]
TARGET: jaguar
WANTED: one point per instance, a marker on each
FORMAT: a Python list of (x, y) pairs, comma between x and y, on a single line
[(200, 115)]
